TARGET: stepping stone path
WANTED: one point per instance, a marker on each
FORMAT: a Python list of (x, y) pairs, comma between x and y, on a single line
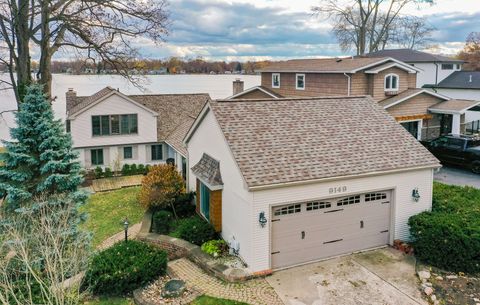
[(254, 292)]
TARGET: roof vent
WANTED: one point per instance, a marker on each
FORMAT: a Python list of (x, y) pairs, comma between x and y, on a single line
[(338, 59), (470, 80)]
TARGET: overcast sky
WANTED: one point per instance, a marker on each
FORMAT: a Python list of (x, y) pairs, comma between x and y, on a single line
[(279, 29)]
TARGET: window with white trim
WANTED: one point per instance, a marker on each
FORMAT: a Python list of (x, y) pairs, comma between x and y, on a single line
[(289, 209), (349, 200), (391, 82), (96, 156), (447, 66), (318, 205), (128, 152), (300, 81), (275, 80)]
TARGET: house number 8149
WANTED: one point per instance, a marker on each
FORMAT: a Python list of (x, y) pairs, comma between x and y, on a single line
[(338, 189)]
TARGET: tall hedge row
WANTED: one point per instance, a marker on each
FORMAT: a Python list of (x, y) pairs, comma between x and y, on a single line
[(449, 236)]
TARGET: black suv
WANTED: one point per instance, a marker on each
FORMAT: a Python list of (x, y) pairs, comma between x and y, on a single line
[(458, 150)]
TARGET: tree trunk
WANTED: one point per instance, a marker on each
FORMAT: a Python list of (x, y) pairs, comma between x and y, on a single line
[(24, 77), (44, 73)]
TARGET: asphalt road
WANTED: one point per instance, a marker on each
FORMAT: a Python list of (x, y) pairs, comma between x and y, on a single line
[(457, 176)]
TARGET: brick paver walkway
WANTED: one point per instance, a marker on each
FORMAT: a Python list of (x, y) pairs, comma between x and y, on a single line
[(255, 292), (132, 233)]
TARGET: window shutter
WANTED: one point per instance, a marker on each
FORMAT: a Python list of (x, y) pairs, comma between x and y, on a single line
[(88, 158), (120, 153), (106, 156), (134, 152), (148, 149)]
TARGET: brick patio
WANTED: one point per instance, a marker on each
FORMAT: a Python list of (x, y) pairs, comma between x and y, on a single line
[(254, 292)]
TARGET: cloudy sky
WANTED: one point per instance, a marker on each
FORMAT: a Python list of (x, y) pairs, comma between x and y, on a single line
[(279, 29)]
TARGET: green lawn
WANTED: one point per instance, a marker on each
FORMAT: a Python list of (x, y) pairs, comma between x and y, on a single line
[(107, 210), (206, 300)]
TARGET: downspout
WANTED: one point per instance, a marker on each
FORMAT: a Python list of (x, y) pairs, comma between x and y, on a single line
[(349, 81), (436, 73)]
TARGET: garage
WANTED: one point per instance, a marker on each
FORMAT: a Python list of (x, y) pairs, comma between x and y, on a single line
[(313, 230)]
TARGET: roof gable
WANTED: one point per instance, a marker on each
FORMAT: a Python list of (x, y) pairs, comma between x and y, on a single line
[(262, 89), (283, 141), (406, 95)]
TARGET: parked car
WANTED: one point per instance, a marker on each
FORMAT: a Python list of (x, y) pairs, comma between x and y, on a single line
[(459, 150)]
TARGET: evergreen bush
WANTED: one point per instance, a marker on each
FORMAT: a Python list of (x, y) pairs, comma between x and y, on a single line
[(162, 222), (196, 230), (125, 267)]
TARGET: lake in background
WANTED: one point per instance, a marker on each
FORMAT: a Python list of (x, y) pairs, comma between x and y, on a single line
[(218, 86)]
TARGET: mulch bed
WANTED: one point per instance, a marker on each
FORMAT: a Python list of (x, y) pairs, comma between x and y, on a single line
[(456, 289), (152, 294)]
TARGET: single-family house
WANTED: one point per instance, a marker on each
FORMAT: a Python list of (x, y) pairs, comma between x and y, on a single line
[(294, 180), (433, 68), (388, 81), (110, 128)]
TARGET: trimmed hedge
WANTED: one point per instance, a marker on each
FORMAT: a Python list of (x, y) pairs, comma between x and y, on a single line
[(196, 230), (125, 267), (449, 236)]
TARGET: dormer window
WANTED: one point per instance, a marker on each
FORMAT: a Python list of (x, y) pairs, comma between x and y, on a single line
[(391, 82), (275, 80)]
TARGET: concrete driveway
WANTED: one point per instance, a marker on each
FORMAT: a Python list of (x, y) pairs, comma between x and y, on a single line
[(378, 277), (457, 176)]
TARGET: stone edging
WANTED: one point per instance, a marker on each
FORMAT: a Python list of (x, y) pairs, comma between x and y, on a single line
[(177, 248)]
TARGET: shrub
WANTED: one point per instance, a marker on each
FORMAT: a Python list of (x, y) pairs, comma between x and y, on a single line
[(160, 187), (141, 169), (215, 248), (126, 170), (133, 169), (108, 172), (184, 206), (196, 230), (449, 236), (98, 172), (125, 267), (162, 222)]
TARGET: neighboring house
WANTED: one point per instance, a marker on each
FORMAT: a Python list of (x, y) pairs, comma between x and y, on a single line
[(110, 128), (388, 81), (433, 68), (290, 181), (461, 85)]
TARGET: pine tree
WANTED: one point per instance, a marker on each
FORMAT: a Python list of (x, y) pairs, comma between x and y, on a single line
[(40, 158)]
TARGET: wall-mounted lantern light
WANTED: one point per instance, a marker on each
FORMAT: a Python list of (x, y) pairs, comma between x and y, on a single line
[(262, 219), (415, 195)]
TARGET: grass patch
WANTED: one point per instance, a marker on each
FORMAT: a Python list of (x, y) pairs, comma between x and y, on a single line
[(107, 210), (206, 300)]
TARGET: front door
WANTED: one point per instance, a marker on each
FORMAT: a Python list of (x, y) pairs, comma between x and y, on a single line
[(205, 201)]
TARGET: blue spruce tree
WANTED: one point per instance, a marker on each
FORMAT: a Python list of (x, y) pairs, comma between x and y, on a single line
[(39, 159)]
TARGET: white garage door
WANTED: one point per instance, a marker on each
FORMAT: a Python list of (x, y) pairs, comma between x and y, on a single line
[(309, 231)]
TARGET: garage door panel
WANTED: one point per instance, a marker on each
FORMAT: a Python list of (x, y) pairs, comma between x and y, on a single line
[(357, 222)]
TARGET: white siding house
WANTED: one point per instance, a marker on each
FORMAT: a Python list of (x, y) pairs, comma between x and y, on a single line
[(110, 129), (299, 182)]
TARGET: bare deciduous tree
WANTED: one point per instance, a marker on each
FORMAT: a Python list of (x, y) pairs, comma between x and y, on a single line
[(95, 29), (40, 254), (363, 25)]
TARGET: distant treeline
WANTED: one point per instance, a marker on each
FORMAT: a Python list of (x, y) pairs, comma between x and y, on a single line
[(172, 65)]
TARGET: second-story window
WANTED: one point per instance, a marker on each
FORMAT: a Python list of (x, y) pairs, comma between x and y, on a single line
[(276, 80), (300, 82), (104, 125), (391, 82), (447, 66)]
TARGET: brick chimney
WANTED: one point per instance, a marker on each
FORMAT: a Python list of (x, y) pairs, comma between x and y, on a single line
[(238, 86), (70, 97)]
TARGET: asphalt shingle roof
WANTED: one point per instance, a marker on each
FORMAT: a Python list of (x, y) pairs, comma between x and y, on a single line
[(412, 56), (454, 105), (292, 140), (406, 94), (460, 80), (321, 65), (208, 169)]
